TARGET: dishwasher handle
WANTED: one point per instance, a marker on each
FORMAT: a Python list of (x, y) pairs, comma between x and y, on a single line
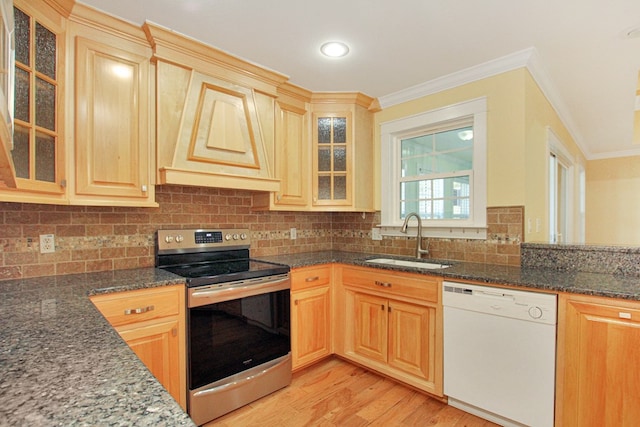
[(494, 294)]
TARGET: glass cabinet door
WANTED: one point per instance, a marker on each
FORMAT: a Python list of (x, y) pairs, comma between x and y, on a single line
[(331, 145), (35, 149)]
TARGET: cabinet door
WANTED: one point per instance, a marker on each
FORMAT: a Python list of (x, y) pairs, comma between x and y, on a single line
[(157, 346), (112, 141), (37, 167), (292, 157), (332, 144), (371, 320), (599, 363), (311, 337), (412, 338)]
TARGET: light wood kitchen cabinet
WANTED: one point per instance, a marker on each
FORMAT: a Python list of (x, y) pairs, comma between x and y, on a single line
[(394, 324), (34, 168), (342, 146), (598, 368), (152, 323), (292, 153), (215, 115), (83, 124), (310, 314), (111, 115)]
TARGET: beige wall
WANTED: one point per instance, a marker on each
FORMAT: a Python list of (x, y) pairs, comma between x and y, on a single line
[(517, 121), (613, 201), (540, 118)]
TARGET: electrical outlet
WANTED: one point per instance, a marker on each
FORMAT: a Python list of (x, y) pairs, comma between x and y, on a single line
[(375, 234), (47, 244), (293, 233)]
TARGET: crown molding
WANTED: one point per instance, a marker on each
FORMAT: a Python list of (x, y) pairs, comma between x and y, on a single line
[(614, 154), (526, 58), (477, 72)]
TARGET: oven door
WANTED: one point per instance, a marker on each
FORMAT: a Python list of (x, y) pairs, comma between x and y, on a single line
[(238, 339)]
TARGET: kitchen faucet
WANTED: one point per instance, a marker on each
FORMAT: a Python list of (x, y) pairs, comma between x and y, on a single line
[(419, 250)]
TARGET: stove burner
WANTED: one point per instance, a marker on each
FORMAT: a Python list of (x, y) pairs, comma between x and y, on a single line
[(206, 257), (226, 271)]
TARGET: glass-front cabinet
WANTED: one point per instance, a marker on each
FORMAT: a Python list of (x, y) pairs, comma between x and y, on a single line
[(342, 146), (332, 152), (37, 153)]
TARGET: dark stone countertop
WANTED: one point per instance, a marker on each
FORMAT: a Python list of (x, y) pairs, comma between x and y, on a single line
[(608, 285), (61, 362)]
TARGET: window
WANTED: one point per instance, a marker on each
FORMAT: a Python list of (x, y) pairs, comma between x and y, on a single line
[(434, 164)]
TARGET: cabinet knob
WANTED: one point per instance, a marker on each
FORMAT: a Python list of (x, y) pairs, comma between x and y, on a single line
[(144, 188), (311, 279)]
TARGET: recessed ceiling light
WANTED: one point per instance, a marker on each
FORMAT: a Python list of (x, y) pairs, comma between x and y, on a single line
[(334, 49)]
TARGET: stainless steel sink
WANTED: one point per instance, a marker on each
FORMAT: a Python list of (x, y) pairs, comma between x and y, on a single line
[(405, 263)]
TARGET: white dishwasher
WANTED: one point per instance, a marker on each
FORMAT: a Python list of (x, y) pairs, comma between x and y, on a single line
[(500, 353)]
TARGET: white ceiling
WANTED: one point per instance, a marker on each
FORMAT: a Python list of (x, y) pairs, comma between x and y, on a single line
[(590, 67)]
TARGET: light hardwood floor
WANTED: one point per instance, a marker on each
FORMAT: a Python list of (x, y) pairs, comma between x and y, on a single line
[(337, 393)]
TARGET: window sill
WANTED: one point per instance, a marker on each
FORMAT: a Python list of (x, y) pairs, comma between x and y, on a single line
[(478, 233)]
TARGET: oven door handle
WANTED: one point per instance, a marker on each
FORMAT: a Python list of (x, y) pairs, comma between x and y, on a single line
[(252, 287), (241, 381)]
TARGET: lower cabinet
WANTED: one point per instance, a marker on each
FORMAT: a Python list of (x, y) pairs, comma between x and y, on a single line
[(310, 314), (152, 323), (598, 362), (393, 325)]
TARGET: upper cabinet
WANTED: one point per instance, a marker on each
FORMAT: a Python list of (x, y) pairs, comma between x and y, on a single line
[(105, 109), (82, 108), (342, 146), (34, 165), (324, 152), (215, 115), (111, 120), (292, 152)]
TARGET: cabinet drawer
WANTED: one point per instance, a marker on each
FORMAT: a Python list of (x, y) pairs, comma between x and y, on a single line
[(123, 308), (310, 277), (392, 283)]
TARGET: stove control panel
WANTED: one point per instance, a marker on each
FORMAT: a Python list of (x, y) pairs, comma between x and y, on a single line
[(185, 239)]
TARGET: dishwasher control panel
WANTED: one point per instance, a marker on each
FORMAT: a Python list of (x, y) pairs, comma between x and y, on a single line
[(523, 305)]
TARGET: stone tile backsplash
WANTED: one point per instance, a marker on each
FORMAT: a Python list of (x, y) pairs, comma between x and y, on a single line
[(91, 238)]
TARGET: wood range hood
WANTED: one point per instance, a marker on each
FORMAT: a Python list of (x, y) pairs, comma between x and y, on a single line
[(215, 115)]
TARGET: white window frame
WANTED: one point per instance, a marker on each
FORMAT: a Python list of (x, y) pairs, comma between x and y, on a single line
[(392, 132)]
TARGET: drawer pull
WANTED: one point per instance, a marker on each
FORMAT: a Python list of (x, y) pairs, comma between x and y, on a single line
[(383, 284), (138, 310), (311, 279)]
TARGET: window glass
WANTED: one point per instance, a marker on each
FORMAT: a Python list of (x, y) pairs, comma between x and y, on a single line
[(426, 160)]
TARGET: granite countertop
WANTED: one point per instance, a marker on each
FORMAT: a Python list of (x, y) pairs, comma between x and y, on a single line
[(600, 284), (62, 364)]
